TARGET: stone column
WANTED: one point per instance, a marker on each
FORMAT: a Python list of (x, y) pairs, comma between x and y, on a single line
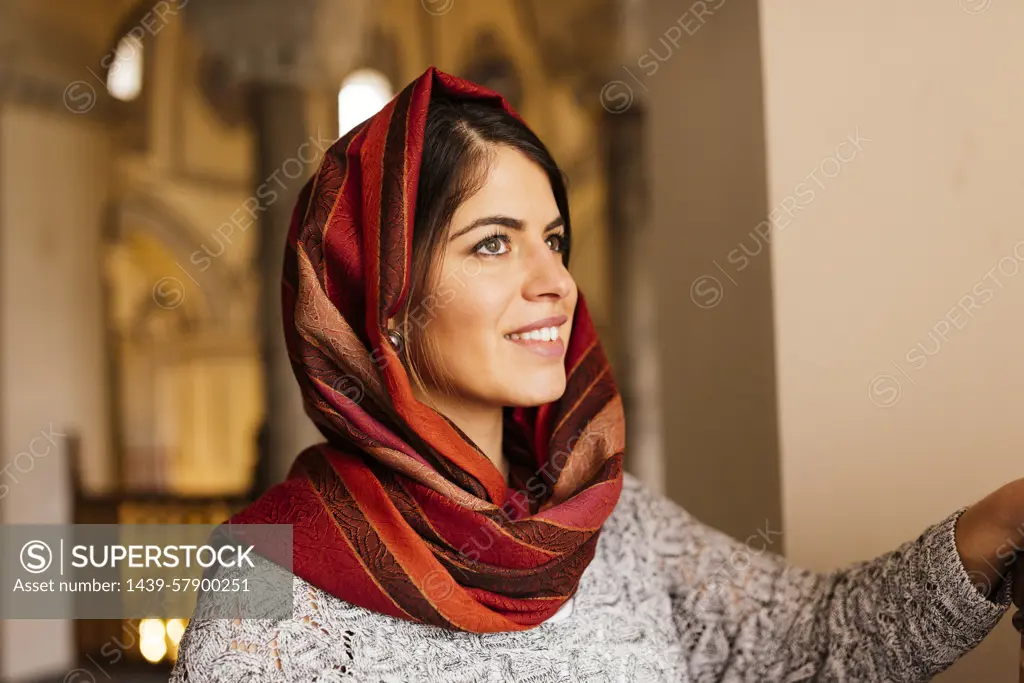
[(54, 153), (282, 51), (706, 150), (633, 299)]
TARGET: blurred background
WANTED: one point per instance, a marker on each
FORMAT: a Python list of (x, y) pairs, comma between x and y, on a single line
[(797, 227)]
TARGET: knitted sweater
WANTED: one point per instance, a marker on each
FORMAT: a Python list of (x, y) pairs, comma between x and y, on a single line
[(666, 598)]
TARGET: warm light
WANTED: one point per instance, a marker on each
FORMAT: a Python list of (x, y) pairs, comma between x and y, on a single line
[(152, 639), (153, 650), (363, 94), (175, 629), (124, 72), (151, 629)]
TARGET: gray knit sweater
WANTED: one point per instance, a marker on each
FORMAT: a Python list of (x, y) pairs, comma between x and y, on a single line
[(666, 598)]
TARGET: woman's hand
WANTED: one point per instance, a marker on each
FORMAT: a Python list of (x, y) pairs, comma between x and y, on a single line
[(990, 535)]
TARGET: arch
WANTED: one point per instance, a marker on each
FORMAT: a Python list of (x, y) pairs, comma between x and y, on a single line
[(154, 218), (173, 355)]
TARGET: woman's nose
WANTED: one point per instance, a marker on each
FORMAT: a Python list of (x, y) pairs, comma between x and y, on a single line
[(547, 276)]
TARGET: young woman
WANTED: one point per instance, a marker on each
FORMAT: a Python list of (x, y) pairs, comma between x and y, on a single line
[(468, 517)]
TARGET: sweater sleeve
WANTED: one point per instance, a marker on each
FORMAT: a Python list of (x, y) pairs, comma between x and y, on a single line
[(745, 614), (311, 644), (263, 651)]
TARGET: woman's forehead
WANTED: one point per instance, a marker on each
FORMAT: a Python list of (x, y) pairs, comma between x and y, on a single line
[(515, 186)]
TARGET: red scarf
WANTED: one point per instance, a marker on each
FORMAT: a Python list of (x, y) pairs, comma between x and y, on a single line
[(398, 511)]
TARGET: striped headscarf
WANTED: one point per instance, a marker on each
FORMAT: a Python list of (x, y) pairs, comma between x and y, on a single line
[(399, 512)]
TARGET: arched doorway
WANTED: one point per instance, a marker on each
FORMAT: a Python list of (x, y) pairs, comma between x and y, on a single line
[(186, 388)]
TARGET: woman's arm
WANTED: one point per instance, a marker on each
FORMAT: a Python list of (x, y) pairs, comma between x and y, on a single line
[(265, 651), (310, 644), (228, 651), (745, 614)]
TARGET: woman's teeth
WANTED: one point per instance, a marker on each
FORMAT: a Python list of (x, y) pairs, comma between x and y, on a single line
[(541, 334)]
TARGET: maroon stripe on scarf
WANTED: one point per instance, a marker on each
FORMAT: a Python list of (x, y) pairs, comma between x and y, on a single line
[(395, 228), (362, 535)]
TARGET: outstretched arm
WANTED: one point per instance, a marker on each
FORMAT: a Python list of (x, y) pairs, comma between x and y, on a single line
[(744, 614)]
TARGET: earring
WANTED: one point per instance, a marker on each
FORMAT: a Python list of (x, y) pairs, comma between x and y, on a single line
[(396, 340)]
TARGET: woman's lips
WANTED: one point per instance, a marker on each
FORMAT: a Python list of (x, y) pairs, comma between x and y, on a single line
[(547, 349)]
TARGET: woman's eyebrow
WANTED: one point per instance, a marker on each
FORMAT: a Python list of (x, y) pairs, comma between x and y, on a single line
[(506, 221)]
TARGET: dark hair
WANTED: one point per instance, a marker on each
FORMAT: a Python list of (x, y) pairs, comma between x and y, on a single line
[(459, 143)]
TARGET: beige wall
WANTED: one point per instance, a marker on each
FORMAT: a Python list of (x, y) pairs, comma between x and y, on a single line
[(880, 439), (52, 178), (882, 144)]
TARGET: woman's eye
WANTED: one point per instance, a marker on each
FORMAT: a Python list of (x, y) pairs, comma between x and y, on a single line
[(559, 242), (492, 247)]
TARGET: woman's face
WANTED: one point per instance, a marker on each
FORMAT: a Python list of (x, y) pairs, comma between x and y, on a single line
[(502, 307)]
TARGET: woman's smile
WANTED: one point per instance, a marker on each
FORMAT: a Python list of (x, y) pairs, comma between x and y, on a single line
[(542, 337), (545, 342)]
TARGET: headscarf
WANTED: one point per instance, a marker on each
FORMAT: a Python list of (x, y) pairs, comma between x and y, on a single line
[(398, 511)]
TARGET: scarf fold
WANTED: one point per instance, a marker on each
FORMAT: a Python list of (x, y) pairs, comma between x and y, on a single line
[(398, 511)]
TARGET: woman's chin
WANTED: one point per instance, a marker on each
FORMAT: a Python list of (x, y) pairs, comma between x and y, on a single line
[(528, 394)]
